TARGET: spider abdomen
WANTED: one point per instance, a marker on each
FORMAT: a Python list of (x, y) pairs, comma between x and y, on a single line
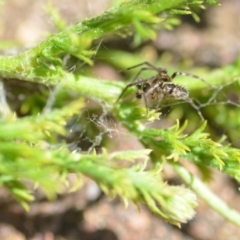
[(171, 90)]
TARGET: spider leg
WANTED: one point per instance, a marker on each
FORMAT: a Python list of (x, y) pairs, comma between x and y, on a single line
[(140, 71), (190, 101), (142, 64), (190, 75), (144, 69), (130, 85), (145, 103), (153, 88), (158, 99), (143, 95), (149, 65)]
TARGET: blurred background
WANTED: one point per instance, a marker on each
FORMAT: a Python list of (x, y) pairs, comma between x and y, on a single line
[(87, 214)]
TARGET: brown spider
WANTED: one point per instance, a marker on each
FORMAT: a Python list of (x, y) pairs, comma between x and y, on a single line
[(160, 86)]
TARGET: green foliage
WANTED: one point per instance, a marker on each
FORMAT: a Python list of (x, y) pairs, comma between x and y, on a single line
[(32, 156)]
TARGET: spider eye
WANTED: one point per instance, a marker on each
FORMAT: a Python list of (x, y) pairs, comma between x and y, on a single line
[(139, 85), (146, 86)]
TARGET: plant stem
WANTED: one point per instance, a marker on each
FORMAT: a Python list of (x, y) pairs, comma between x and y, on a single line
[(213, 200)]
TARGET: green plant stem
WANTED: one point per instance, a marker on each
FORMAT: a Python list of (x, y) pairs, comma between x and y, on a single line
[(213, 200), (102, 90), (44, 60)]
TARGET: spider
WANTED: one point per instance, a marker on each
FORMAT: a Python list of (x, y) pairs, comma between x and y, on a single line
[(159, 87)]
